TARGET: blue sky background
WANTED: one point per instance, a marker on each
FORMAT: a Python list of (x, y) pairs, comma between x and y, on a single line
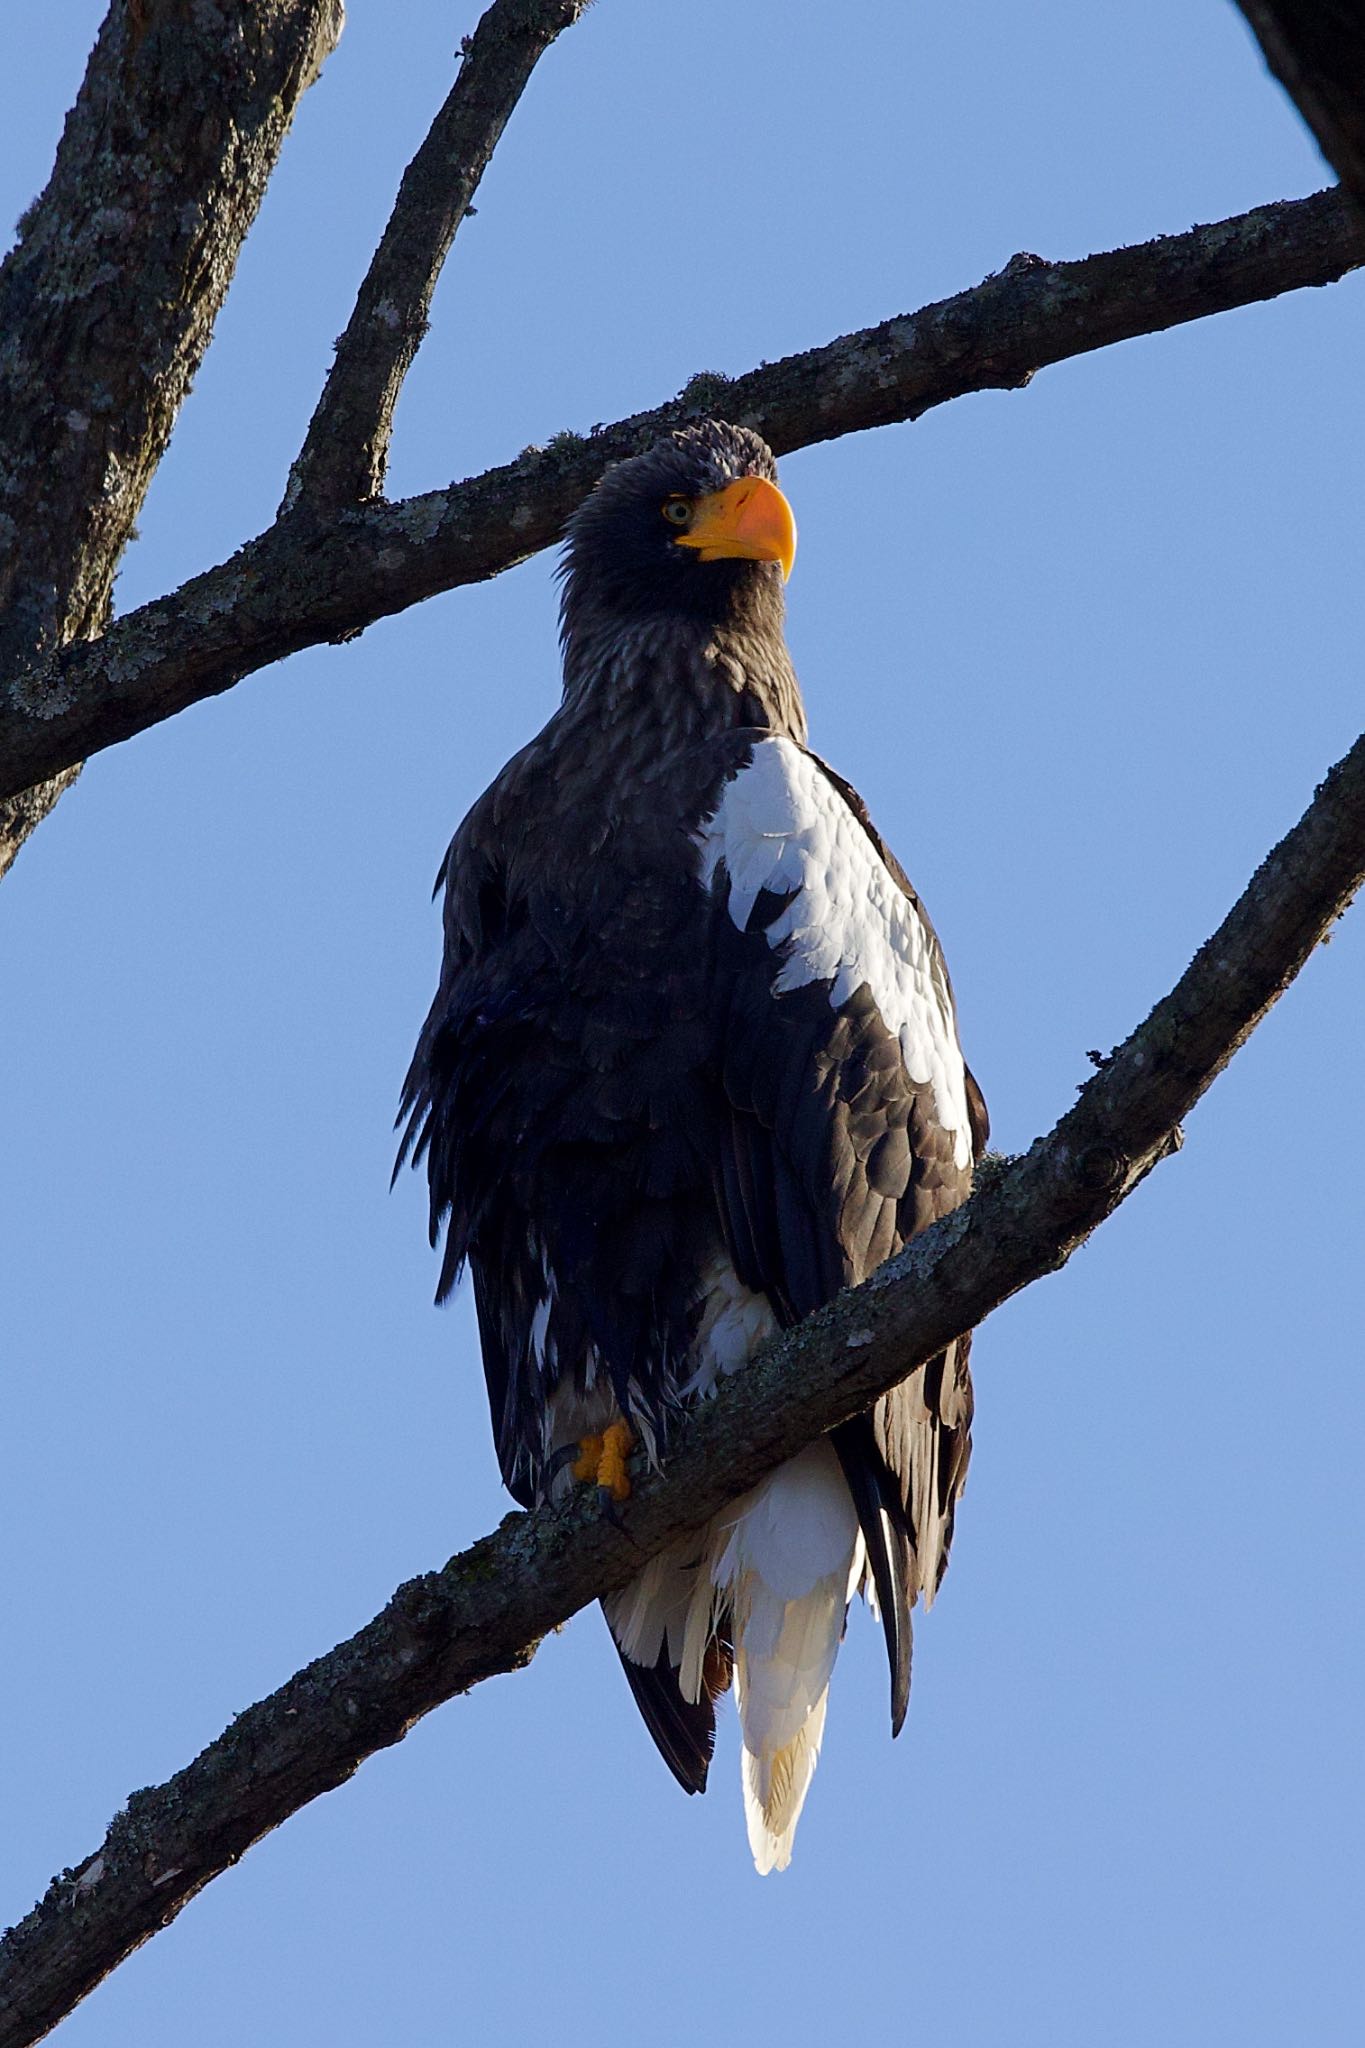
[(1086, 649)]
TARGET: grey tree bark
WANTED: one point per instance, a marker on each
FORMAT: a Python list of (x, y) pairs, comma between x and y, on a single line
[(308, 579), (108, 300)]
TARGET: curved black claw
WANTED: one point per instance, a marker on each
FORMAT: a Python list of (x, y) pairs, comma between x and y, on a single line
[(567, 1454)]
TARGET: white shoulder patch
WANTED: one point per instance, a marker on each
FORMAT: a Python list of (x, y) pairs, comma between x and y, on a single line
[(782, 825)]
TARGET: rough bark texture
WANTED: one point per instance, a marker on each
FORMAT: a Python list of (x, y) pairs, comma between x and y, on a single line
[(486, 1611), (1316, 48), (346, 452), (109, 298), (305, 581)]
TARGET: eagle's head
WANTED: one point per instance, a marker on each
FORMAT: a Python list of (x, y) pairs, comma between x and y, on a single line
[(695, 528)]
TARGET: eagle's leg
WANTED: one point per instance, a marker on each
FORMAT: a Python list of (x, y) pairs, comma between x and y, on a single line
[(602, 1460)]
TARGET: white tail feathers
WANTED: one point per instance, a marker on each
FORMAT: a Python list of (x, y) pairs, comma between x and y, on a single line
[(775, 1790), (783, 1563), (792, 1557), (671, 1604), (775, 1573)]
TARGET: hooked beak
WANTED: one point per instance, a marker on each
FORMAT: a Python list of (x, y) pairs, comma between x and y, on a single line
[(749, 520)]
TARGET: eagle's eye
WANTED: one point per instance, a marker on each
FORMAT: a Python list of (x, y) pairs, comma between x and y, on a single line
[(677, 511)]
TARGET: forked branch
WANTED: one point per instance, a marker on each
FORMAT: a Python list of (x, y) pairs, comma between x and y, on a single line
[(304, 581), (345, 454), (108, 299)]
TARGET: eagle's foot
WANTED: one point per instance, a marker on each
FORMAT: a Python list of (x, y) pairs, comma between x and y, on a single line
[(602, 1460), (618, 1442)]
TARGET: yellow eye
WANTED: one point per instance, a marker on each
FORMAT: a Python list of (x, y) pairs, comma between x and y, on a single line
[(677, 511)]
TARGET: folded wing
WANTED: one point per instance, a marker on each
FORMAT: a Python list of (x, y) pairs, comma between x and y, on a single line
[(851, 1120)]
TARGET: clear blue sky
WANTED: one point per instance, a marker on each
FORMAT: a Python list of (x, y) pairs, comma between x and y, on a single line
[(1086, 649)]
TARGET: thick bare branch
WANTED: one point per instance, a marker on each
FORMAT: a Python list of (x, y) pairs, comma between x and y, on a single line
[(1316, 48), (303, 581), (346, 452), (108, 300), (486, 1611)]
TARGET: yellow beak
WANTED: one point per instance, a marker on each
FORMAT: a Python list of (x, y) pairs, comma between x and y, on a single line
[(749, 519)]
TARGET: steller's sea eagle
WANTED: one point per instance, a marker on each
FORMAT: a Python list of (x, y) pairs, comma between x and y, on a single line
[(693, 1066)]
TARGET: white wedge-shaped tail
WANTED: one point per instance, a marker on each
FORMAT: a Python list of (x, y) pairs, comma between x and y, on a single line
[(780, 1567), (791, 1559)]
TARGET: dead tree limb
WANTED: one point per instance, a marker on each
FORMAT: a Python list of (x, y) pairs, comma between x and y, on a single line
[(304, 581), (486, 1611), (1316, 48), (108, 300), (345, 454)]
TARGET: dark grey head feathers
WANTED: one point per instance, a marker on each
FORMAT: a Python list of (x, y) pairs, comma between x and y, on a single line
[(672, 608), (622, 557)]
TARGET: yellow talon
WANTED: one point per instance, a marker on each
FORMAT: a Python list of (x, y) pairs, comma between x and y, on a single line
[(602, 1459)]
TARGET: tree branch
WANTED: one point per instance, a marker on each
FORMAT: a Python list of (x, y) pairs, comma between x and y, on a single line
[(1316, 48), (108, 299), (302, 581), (345, 454), (486, 1611)]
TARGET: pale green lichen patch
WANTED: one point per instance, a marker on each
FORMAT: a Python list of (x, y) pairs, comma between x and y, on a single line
[(420, 518), (42, 693), (215, 599)]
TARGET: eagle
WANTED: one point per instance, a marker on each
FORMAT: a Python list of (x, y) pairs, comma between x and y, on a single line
[(693, 1067)]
